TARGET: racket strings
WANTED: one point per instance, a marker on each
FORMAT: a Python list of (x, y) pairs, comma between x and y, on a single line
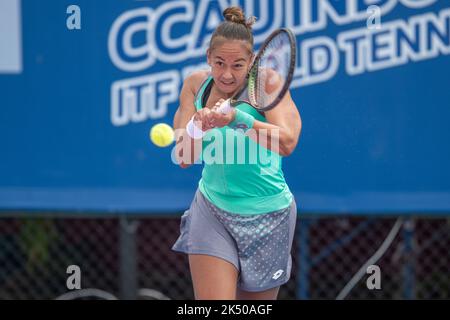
[(271, 72)]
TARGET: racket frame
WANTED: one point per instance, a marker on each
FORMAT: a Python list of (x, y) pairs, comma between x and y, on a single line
[(234, 100)]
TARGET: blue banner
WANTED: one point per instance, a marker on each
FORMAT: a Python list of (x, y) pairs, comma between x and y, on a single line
[(82, 83)]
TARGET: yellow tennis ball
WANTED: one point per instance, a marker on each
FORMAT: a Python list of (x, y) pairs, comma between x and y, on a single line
[(162, 135)]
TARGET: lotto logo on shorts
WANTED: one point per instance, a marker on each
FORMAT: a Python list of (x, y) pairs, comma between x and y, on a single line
[(277, 274)]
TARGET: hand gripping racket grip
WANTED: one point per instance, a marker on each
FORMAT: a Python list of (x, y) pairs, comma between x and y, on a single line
[(197, 133)]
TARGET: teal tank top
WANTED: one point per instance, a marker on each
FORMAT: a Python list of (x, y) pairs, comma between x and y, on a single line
[(239, 175)]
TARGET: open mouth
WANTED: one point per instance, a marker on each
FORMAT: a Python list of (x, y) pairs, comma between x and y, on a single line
[(228, 84)]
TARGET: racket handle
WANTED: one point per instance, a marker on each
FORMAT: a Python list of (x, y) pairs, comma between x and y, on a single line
[(197, 133)]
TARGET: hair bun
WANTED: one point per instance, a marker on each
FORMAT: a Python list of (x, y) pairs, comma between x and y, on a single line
[(236, 15)]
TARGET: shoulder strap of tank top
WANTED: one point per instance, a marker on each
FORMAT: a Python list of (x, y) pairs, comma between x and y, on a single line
[(203, 92)]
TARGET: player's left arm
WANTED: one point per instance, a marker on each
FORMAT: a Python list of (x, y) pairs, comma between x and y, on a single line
[(283, 124)]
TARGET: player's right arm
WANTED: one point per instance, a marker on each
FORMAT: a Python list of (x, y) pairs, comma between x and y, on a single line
[(187, 150)]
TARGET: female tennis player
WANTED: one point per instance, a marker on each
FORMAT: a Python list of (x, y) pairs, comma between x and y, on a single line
[(239, 229)]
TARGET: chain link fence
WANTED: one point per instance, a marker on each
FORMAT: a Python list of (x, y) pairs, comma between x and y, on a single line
[(128, 257)]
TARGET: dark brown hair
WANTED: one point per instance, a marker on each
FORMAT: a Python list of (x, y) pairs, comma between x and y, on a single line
[(235, 27)]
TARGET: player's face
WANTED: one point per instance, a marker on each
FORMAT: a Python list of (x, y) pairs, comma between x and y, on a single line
[(230, 62)]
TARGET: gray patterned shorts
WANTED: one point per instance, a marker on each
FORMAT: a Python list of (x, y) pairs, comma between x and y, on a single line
[(259, 245)]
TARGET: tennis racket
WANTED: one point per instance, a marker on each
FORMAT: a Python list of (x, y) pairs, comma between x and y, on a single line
[(268, 80)]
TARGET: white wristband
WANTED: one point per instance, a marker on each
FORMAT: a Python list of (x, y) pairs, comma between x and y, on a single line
[(194, 131)]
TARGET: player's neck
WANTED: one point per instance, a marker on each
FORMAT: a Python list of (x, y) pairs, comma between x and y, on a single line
[(216, 92)]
